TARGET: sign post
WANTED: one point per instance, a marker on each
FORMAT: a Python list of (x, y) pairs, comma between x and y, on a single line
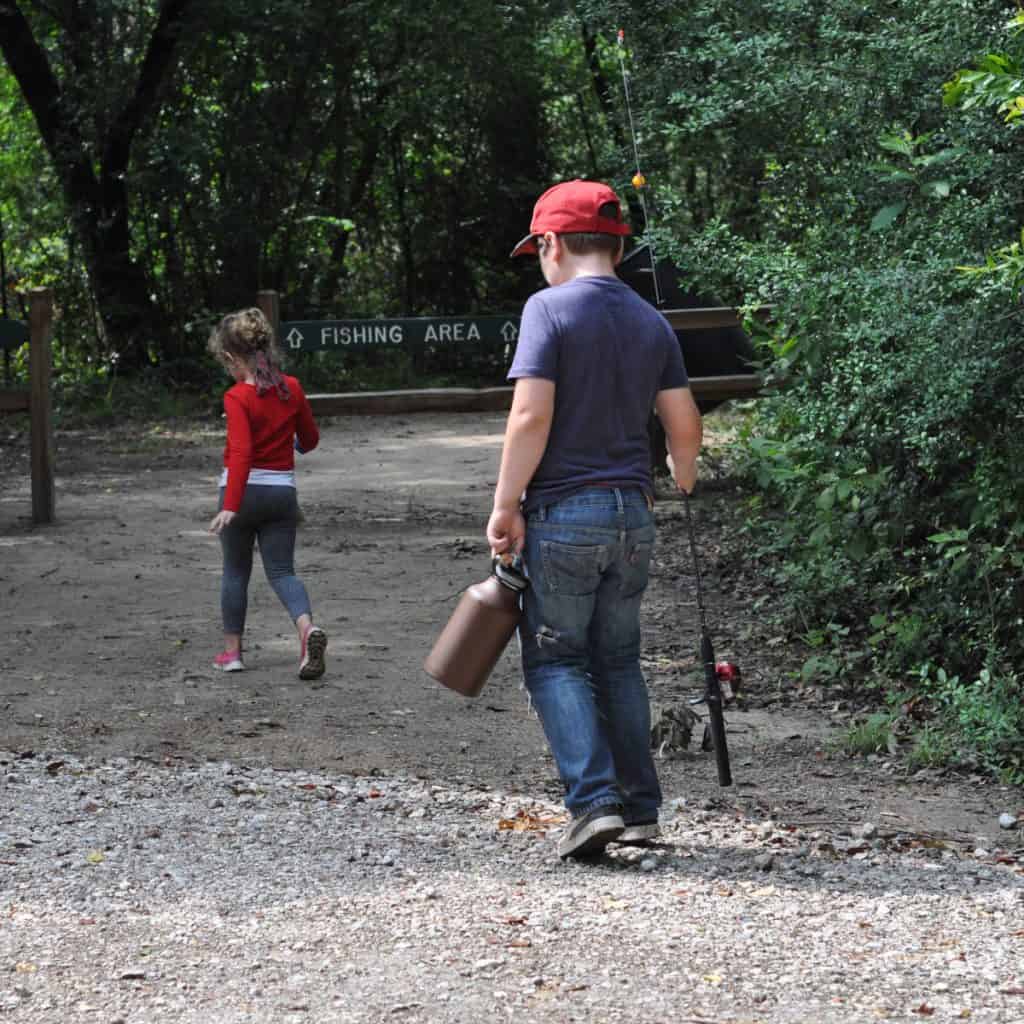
[(41, 325), (270, 305)]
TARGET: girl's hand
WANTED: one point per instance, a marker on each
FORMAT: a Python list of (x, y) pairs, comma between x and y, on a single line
[(220, 520)]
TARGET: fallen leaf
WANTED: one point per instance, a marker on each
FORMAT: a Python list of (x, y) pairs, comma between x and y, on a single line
[(95, 857), (25, 968), (515, 920), (924, 1010), (524, 821), (713, 979)]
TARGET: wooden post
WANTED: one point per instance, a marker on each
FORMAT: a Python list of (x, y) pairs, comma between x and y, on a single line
[(270, 304), (41, 327)]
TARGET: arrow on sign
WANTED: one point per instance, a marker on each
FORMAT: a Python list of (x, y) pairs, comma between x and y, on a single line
[(509, 331), (294, 338)]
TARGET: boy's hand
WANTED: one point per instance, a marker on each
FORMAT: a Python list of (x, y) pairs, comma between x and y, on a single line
[(220, 520), (685, 477), (506, 531)]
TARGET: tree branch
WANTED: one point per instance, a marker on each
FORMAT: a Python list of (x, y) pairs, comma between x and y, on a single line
[(39, 86), (160, 55), (30, 66)]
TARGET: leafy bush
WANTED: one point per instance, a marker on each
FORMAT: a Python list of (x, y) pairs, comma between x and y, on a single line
[(890, 465)]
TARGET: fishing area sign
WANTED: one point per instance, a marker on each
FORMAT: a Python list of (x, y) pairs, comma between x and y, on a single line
[(440, 331)]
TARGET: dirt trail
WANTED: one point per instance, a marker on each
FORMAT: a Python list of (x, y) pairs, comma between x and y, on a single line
[(110, 619)]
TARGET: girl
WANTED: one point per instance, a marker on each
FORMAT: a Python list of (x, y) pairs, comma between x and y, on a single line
[(266, 411)]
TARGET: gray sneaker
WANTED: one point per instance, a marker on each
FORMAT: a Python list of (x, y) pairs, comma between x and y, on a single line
[(314, 643), (640, 833), (589, 835)]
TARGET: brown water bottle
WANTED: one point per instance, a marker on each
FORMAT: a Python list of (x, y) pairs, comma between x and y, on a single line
[(479, 630)]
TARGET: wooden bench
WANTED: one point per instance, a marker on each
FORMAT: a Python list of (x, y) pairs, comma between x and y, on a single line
[(369, 403)]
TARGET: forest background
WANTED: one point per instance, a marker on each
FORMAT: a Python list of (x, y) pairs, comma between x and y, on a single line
[(855, 164)]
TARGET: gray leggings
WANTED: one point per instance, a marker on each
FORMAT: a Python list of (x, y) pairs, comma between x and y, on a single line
[(269, 515)]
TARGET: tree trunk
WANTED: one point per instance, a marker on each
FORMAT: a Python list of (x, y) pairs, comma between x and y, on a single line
[(134, 323)]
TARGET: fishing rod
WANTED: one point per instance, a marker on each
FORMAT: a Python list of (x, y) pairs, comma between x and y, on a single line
[(712, 687), (639, 180)]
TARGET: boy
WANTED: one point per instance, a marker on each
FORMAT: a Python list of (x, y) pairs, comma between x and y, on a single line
[(592, 359)]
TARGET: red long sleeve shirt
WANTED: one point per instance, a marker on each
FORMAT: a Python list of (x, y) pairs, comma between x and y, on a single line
[(261, 432)]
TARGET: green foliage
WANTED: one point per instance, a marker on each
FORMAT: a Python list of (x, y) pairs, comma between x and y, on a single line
[(95, 400), (932, 748), (827, 158), (997, 80), (359, 159), (871, 735), (890, 462), (984, 718)]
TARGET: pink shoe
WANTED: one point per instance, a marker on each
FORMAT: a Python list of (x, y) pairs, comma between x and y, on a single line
[(314, 643), (229, 661)]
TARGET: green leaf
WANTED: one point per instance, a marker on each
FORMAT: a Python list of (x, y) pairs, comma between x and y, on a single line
[(886, 215), (819, 536), (899, 176), (944, 156), (897, 144)]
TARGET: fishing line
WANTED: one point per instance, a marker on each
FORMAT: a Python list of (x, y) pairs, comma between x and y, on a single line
[(696, 564), (639, 181)]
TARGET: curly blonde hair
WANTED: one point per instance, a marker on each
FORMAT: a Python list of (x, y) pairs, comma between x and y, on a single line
[(248, 335)]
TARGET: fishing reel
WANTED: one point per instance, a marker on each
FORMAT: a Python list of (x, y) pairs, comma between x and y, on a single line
[(730, 678)]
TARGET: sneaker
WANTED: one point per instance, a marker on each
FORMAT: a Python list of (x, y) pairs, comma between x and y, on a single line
[(314, 643), (229, 661), (640, 833), (589, 835)]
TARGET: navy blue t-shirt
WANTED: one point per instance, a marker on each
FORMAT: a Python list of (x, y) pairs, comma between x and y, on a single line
[(609, 353)]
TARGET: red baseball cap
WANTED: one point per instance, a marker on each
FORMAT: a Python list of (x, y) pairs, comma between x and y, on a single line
[(572, 206)]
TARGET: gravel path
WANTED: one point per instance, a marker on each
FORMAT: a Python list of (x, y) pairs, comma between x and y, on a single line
[(136, 892)]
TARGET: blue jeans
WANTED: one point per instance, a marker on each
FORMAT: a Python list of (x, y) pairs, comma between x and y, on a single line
[(587, 557), (271, 516)]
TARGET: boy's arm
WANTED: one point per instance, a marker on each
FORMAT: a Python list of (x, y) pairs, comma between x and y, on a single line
[(683, 432), (526, 437)]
